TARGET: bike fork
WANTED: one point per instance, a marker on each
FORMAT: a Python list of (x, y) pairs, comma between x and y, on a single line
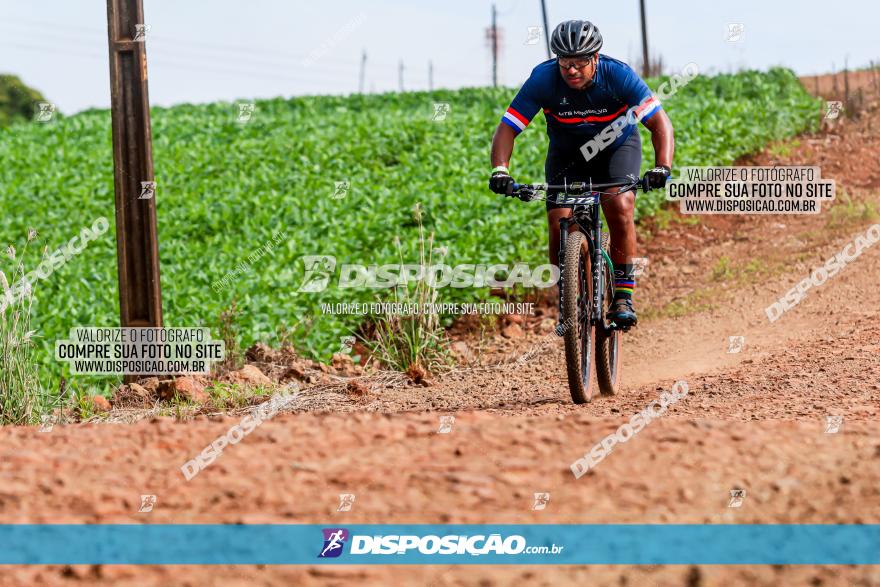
[(563, 235), (598, 265)]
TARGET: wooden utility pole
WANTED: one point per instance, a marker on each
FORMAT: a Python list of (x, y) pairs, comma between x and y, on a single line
[(137, 240), (874, 75), (546, 29), (494, 48), (835, 90), (646, 65), (363, 70)]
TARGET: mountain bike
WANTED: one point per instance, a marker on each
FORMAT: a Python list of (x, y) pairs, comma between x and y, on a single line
[(586, 285)]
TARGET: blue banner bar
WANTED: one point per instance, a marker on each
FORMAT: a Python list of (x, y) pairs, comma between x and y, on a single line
[(554, 544)]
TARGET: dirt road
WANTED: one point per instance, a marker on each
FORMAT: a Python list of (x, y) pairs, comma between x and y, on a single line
[(754, 419)]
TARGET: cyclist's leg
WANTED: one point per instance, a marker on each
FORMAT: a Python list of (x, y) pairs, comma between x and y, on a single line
[(560, 168), (618, 210), (623, 162)]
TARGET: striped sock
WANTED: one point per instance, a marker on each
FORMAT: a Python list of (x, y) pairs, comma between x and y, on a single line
[(624, 282)]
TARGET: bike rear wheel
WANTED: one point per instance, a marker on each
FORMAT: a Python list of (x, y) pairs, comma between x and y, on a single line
[(607, 342), (579, 328)]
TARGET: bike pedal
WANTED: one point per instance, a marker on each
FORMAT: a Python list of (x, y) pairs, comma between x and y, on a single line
[(615, 326)]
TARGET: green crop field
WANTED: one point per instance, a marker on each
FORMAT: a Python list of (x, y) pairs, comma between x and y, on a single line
[(224, 188)]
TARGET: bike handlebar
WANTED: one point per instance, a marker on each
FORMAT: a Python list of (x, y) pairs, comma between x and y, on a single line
[(584, 193), (579, 187)]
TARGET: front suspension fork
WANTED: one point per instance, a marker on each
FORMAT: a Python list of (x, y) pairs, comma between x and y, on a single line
[(596, 264), (563, 235)]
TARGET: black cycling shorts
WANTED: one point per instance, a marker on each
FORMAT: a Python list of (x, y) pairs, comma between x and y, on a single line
[(608, 166)]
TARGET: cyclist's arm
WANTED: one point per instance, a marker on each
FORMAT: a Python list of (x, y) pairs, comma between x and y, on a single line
[(502, 145), (662, 137), (526, 104), (627, 84)]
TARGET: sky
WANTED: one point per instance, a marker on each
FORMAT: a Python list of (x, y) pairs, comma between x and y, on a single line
[(202, 51)]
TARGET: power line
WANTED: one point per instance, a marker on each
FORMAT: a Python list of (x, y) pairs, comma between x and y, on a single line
[(163, 55), (160, 58), (161, 62), (153, 37), (161, 48), (159, 42), (65, 26), (53, 50), (90, 40)]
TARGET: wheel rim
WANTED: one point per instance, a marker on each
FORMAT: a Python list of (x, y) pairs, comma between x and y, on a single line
[(612, 337), (613, 349)]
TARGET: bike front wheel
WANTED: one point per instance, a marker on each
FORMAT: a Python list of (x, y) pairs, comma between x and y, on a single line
[(579, 329)]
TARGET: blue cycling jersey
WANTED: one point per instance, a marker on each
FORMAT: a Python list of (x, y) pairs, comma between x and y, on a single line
[(576, 116)]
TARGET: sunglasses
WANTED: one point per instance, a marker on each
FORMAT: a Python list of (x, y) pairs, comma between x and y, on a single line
[(579, 64)]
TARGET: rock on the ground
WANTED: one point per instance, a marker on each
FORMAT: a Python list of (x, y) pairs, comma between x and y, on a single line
[(139, 389), (250, 375), (98, 403), (294, 372), (344, 365), (512, 331), (461, 349), (419, 375), (184, 387), (132, 395), (260, 353), (151, 384), (341, 359), (416, 372), (356, 388), (547, 325)]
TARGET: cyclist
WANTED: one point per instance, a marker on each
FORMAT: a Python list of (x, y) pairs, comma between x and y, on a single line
[(583, 95)]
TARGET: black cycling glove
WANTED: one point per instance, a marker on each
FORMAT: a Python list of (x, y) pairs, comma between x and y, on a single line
[(655, 179), (501, 182)]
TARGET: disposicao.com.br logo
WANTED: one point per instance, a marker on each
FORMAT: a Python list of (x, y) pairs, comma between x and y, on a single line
[(334, 541), (431, 544), (320, 269)]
